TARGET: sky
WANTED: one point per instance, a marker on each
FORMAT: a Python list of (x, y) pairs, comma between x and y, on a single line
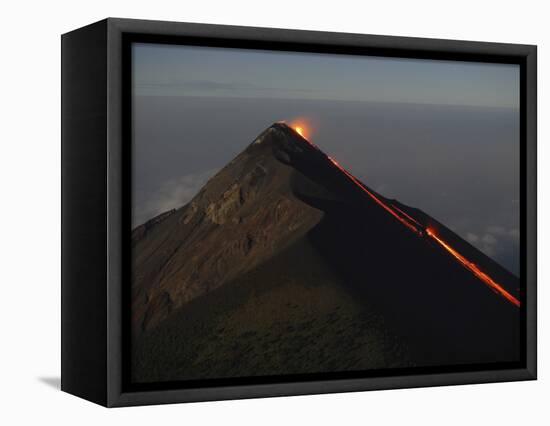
[(173, 70), (442, 136)]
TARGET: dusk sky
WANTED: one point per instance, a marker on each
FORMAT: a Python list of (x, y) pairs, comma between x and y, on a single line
[(442, 136), (171, 70)]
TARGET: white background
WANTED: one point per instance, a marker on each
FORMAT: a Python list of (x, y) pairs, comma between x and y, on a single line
[(30, 198)]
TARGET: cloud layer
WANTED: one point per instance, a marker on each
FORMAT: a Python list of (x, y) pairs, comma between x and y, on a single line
[(498, 243), (171, 194)]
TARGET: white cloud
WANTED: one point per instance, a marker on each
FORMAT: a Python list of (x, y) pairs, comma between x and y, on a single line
[(472, 238), (489, 239), (494, 241), (171, 194)]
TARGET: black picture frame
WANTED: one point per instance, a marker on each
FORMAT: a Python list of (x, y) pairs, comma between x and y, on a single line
[(96, 207)]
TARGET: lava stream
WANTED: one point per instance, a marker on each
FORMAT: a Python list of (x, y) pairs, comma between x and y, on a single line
[(406, 215), (417, 228), (474, 269), (409, 223), (413, 225), (404, 218)]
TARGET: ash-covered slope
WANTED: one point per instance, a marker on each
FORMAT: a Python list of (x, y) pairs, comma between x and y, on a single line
[(284, 263)]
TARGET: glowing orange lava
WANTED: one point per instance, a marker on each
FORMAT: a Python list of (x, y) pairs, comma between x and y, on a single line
[(406, 215), (301, 127), (474, 269), (418, 229)]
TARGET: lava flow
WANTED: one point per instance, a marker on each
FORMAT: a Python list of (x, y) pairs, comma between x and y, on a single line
[(414, 226), (406, 215), (474, 269)]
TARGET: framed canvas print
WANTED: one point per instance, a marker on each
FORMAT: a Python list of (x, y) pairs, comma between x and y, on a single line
[(254, 212)]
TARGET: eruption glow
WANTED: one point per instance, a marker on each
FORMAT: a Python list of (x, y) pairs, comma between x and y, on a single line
[(302, 127), (414, 226)]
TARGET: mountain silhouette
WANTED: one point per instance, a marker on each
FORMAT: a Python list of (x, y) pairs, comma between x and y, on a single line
[(285, 263)]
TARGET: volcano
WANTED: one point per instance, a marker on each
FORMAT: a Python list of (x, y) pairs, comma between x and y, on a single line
[(286, 263)]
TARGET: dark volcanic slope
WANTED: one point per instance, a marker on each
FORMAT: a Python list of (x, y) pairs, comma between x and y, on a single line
[(281, 265)]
